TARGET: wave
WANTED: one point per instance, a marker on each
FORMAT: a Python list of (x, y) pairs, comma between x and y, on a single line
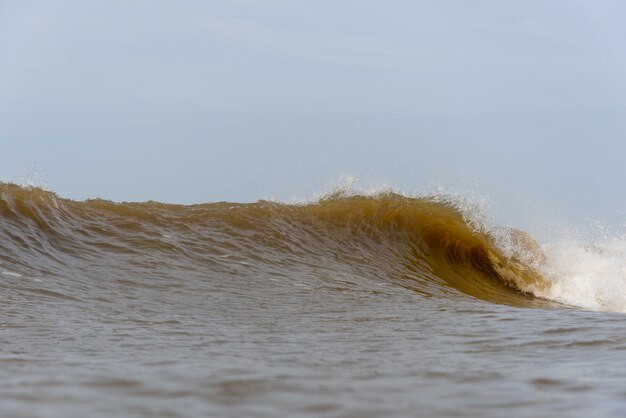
[(431, 245)]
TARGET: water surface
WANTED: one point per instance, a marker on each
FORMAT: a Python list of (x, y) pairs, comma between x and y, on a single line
[(352, 306)]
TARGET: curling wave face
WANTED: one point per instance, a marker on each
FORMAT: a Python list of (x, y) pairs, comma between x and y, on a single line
[(430, 245)]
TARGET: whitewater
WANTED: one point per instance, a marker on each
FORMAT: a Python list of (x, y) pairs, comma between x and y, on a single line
[(352, 304)]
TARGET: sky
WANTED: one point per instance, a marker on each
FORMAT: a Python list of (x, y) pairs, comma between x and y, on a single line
[(521, 103)]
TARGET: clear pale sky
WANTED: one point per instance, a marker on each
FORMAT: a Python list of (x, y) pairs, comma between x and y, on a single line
[(520, 102)]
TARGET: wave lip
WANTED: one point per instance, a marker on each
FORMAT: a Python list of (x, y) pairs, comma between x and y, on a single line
[(429, 244)]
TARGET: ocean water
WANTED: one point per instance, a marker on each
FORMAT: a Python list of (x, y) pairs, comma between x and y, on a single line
[(349, 306)]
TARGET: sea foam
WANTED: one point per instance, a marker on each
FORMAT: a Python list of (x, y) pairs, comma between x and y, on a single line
[(589, 276)]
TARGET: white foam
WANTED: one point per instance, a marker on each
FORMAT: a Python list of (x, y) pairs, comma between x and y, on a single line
[(30, 176), (589, 276)]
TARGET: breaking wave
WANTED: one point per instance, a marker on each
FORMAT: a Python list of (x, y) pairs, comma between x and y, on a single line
[(431, 245)]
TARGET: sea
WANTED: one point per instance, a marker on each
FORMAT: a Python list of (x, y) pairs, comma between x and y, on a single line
[(351, 305)]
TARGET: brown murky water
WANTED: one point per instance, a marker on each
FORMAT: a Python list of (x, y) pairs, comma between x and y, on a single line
[(353, 306)]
